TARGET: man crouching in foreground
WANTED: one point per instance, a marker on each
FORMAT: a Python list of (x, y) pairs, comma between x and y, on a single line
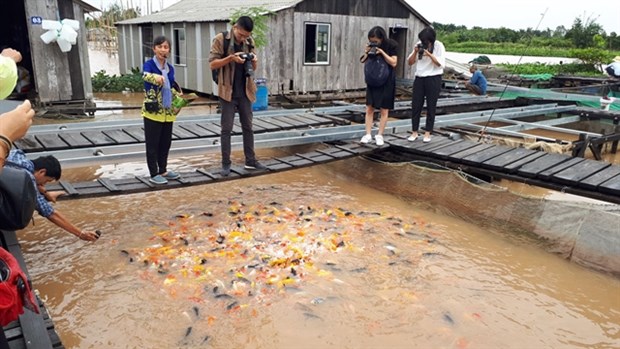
[(43, 170)]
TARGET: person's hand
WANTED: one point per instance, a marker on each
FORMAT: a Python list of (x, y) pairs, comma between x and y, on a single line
[(237, 58), (159, 80), (15, 123), (88, 235), (380, 51), (53, 195), (12, 54)]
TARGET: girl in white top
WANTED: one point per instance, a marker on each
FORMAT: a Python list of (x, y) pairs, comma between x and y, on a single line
[(429, 54)]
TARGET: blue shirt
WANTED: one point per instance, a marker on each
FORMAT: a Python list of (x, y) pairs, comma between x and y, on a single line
[(478, 79), (17, 159)]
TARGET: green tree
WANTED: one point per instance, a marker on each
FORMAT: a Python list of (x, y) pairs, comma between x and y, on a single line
[(595, 57), (583, 31), (259, 16)]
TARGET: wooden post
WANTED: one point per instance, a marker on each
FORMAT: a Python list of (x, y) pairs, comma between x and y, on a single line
[(614, 144)]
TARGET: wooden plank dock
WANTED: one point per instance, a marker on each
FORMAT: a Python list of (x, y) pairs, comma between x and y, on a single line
[(589, 178), (137, 184), (75, 137)]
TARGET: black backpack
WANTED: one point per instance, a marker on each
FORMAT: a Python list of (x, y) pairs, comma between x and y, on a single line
[(18, 197), (376, 71), (215, 72)]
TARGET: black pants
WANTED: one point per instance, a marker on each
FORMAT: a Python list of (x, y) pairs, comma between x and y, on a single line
[(158, 139), (244, 107), (425, 87)]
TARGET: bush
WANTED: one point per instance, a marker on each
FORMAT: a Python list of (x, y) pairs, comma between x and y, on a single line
[(133, 82), (579, 69)]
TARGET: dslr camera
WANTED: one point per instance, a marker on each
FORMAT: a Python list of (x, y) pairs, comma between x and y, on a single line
[(421, 48), (247, 65), (373, 48)]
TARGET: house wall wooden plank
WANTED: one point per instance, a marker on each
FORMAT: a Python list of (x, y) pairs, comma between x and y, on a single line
[(82, 46), (183, 73), (123, 47), (281, 62), (209, 31), (275, 59), (349, 35), (198, 57), (50, 65), (362, 8), (135, 36)]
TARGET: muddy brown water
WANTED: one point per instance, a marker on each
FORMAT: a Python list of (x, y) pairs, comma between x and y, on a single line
[(371, 270), (312, 258)]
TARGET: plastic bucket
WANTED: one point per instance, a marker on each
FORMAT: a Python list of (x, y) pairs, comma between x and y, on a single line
[(606, 102), (262, 95)]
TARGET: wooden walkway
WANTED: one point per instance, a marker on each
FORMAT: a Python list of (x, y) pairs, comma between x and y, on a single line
[(573, 175), (31, 330), (77, 136), (46, 138), (136, 184)]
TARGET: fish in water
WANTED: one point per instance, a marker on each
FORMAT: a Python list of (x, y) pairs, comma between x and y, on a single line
[(312, 316), (448, 318), (126, 253), (224, 296), (317, 300)]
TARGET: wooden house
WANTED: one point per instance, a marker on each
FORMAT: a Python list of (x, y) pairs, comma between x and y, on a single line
[(55, 77), (313, 45)]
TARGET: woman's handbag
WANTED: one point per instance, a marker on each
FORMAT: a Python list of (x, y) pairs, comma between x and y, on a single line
[(151, 106), (18, 197)]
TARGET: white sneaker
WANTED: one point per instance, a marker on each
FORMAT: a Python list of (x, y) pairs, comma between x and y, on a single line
[(427, 139), (412, 138), (366, 139), (379, 140)]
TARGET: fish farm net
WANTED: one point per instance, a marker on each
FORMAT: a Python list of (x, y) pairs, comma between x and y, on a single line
[(581, 230)]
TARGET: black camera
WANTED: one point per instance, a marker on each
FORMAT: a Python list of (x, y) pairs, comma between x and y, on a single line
[(373, 48), (421, 48), (247, 65)]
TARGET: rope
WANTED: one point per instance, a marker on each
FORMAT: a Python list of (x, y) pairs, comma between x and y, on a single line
[(529, 43)]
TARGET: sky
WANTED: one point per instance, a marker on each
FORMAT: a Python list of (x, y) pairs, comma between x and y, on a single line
[(520, 14), (523, 14)]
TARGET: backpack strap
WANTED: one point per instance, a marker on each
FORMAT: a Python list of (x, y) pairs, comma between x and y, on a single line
[(215, 73), (226, 42)]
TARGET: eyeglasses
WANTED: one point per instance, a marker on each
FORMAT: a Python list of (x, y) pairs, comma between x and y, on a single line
[(242, 33)]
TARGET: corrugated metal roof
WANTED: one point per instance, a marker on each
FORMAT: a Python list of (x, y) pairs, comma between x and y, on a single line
[(208, 11), (86, 6)]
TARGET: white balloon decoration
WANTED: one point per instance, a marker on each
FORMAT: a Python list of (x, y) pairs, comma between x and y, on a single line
[(63, 32)]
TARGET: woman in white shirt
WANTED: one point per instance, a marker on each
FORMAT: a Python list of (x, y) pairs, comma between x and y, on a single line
[(429, 54)]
